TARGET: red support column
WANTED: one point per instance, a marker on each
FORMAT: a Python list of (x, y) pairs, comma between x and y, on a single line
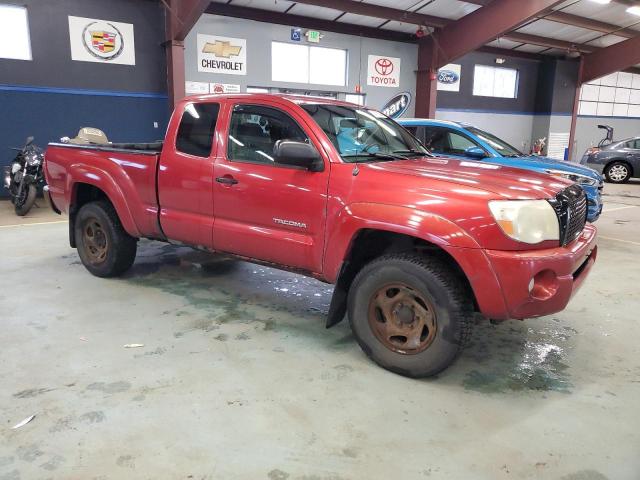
[(574, 112), (426, 79), (175, 71)]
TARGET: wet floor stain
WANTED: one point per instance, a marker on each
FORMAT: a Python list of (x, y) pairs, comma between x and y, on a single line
[(585, 475), (114, 387), (32, 392), (223, 291), (515, 357)]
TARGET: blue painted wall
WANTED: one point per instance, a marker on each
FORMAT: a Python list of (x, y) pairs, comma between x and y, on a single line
[(53, 96)]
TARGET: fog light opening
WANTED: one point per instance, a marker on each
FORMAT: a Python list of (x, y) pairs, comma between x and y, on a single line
[(543, 285)]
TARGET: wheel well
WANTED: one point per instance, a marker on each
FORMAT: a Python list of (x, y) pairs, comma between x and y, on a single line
[(370, 244), (83, 193), (619, 160)]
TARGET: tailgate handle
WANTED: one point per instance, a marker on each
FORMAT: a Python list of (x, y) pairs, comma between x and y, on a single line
[(227, 180)]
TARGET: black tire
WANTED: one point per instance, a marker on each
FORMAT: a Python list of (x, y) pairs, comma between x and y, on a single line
[(617, 172), (105, 248), (439, 286), (23, 208)]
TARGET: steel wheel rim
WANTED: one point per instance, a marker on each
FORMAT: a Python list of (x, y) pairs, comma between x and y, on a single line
[(95, 241), (402, 319), (618, 172)]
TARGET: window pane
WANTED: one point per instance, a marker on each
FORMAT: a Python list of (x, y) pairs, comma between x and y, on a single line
[(505, 83), (255, 130), (289, 62), (328, 66), (354, 98), (195, 134), (620, 109), (14, 33), (483, 78), (495, 82)]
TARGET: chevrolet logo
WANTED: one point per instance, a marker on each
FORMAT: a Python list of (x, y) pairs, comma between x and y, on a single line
[(221, 49)]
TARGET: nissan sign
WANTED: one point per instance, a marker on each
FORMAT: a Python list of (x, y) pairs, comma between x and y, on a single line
[(399, 104)]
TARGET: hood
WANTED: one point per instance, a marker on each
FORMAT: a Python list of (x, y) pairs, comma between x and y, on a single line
[(546, 163), (506, 182)]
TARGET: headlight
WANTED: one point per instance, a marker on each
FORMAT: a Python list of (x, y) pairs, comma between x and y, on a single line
[(575, 177), (528, 221), (33, 159)]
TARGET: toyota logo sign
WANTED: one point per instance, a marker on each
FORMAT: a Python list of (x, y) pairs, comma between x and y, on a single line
[(383, 71), (384, 66)]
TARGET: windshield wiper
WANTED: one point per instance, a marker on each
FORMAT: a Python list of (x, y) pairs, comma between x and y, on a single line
[(413, 151), (380, 155)]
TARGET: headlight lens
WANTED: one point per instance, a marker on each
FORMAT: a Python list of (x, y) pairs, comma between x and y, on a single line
[(575, 177), (33, 159), (528, 221)]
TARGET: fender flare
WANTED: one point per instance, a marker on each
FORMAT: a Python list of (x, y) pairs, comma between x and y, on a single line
[(100, 179), (355, 218)]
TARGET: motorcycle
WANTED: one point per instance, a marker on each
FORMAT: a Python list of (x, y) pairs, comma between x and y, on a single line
[(23, 177)]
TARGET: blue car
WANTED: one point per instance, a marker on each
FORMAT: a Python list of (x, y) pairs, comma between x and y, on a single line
[(463, 141)]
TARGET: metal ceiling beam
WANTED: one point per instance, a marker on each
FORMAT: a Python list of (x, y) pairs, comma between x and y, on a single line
[(577, 21), (610, 59), (484, 25), (183, 16), (378, 11), (230, 10), (549, 42)]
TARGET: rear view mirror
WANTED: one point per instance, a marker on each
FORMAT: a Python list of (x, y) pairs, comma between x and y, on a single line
[(297, 154), (474, 152)]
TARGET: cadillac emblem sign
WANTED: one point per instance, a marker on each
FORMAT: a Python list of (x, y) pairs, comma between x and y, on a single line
[(103, 40)]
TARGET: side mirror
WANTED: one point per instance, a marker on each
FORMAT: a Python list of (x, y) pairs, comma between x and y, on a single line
[(474, 152), (297, 154)]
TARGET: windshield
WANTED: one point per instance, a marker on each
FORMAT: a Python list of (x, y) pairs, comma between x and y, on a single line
[(364, 135), (502, 147)]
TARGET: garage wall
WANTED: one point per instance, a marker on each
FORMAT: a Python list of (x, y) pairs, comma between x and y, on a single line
[(259, 37), (52, 96)]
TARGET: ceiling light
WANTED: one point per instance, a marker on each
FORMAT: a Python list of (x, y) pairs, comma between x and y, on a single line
[(634, 10), (602, 2)]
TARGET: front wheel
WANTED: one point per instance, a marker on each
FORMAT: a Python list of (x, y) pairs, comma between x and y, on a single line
[(25, 200), (617, 172), (105, 248), (410, 314)]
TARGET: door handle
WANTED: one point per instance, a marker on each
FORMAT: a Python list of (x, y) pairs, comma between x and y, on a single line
[(227, 180)]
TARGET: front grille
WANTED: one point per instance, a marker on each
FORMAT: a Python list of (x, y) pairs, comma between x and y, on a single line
[(571, 207)]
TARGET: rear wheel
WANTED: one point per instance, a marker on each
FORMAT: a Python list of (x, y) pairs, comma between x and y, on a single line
[(25, 200), (410, 314), (105, 248), (617, 172)]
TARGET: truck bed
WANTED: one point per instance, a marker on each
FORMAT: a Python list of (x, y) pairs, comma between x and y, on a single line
[(153, 147)]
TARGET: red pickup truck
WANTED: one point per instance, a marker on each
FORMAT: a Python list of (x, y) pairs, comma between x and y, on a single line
[(415, 245)]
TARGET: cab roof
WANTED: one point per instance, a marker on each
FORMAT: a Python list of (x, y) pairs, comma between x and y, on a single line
[(296, 99)]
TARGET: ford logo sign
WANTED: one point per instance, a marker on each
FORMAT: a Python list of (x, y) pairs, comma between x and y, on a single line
[(395, 107), (447, 76)]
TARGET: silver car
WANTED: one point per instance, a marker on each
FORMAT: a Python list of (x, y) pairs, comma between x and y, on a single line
[(618, 161)]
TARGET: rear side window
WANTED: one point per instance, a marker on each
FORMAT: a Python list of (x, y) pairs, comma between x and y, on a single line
[(195, 133)]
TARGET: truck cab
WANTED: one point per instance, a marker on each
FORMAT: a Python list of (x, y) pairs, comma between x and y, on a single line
[(417, 246)]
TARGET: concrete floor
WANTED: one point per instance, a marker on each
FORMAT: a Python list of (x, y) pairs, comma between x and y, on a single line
[(238, 378)]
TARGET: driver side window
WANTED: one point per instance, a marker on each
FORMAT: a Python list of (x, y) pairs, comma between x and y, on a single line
[(254, 131), (443, 141)]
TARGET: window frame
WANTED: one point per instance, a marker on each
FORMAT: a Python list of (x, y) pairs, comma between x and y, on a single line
[(28, 24), (308, 50), (274, 164), (515, 89)]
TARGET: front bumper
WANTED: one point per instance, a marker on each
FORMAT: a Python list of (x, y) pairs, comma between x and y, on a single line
[(541, 282)]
